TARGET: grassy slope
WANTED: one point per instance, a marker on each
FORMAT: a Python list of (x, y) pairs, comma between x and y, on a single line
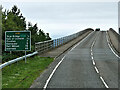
[(21, 75)]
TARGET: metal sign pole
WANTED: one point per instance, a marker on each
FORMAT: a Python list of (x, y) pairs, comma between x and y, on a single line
[(25, 57), (18, 41), (10, 52)]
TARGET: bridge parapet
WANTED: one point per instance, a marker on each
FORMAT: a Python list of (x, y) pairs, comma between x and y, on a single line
[(114, 39), (44, 46)]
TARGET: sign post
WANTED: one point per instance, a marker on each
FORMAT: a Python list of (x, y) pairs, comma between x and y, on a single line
[(18, 41)]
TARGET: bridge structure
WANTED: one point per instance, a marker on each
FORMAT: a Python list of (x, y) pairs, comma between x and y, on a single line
[(87, 59)]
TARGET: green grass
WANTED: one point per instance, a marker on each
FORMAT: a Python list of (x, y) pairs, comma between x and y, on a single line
[(21, 75)]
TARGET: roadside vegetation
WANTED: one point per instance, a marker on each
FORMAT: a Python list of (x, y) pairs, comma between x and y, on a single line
[(21, 74), (13, 20)]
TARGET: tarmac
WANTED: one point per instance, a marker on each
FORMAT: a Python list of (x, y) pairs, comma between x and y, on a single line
[(56, 52)]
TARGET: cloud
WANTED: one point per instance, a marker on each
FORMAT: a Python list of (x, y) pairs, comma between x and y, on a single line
[(60, 0), (63, 18)]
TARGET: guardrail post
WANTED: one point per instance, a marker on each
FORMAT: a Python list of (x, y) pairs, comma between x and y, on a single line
[(10, 52), (44, 47), (57, 42), (52, 44), (35, 47), (47, 45), (60, 41), (25, 57)]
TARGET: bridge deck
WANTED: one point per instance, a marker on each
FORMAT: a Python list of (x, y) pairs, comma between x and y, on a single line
[(90, 64)]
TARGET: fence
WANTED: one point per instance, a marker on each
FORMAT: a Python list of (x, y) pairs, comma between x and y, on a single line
[(44, 46)]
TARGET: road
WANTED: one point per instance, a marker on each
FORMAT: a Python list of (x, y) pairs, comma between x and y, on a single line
[(89, 64)]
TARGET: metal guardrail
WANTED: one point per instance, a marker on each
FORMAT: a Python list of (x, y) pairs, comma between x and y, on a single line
[(17, 59), (44, 46)]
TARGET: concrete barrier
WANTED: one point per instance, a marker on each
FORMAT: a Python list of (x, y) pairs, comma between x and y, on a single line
[(114, 38)]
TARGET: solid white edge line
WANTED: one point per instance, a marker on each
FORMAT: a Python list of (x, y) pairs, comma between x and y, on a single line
[(45, 86), (110, 46), (48, 80), (113, 50), (104, 82), (96, 69), (74, 46), (81, 41)]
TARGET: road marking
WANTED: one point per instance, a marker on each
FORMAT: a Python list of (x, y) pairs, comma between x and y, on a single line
[(104, 82), (96, 69), (93, 43), (110, 46), (45, 86), (82, 41), (93, 62), (91, 54), (48, 80), (92, 57), (74, 46)]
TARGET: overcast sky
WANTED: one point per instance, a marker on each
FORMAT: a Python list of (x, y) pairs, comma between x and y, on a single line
[(64, 18)]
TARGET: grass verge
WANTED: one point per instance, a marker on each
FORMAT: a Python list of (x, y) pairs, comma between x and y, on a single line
[(21, 75)]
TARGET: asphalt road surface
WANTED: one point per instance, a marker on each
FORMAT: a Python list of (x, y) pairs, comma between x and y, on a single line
[(90, 64)]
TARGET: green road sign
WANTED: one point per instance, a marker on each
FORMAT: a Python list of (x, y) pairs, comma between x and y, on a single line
[(17, 41)]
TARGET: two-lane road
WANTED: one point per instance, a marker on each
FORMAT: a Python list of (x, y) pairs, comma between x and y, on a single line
[(90, 64), (106, 61)]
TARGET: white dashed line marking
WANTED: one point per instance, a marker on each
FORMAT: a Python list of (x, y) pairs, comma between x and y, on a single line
[(96, 69), (93, 61), (48, 80), (91, 54), (104, 82), (92, 57), (80, 41)]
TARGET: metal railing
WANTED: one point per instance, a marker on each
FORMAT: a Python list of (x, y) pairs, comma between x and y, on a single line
[(16, 60), (44, 46)]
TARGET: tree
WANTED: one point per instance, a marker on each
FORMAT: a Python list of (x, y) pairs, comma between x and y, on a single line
[(13, 20), (47, 36)]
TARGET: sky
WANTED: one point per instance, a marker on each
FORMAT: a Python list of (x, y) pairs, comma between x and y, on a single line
[(60, 18)]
